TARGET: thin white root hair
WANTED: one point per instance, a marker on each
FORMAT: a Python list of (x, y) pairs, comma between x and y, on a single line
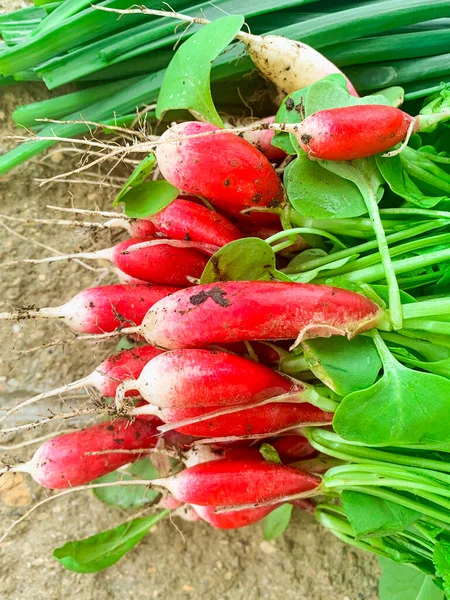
[(83, 211), (308, 494), (75, 385), (41, 422), (403, 145), (95, 124), (37, 440), (289, 397), (97, 337), (36, 243), (80, 488)]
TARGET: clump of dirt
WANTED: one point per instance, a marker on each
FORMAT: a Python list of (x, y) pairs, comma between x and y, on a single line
[(305, 563)]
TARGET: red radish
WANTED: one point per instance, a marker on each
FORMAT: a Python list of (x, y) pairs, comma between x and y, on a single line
[(268, 354), (354, 132), (152, 260), (66, 461), (265, 419), (226, 169), (106, 377), (186, 220), (289, 64), (101, 309), (233, 519), (137, 228), (264, 232), (262, 139), (292, 447), (199, 453), (203, 378), (236, 311), (237, 482)]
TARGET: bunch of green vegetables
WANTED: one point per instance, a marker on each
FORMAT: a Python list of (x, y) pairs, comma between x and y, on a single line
[(118, 61)]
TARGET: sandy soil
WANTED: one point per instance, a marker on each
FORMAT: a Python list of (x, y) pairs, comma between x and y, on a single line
[(306, 563)]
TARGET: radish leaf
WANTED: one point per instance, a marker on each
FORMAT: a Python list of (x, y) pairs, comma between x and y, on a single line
[(104, 549), (277, 522), (138, 176), (441, 559), (249, 259), (270, 454), (128, 496), (149, 198), (402, 582), (401, 184), (343, 365), (403, 407), (316, 192), (375, 517), (187, 80)]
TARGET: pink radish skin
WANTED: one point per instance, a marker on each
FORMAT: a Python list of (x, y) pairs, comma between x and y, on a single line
[(292, 447), (262, 140), (186, 220), (237, 311), (104, 309), (152, 260), (237, 482), (234, 519), (203, 378), (64, 461), (353, 132), (163, 264), (266, 419), (226, 169)]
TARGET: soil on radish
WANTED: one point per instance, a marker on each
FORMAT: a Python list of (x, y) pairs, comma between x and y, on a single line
[(307, 562)]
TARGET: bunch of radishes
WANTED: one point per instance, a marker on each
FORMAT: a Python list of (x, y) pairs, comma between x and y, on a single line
[(195, 375)]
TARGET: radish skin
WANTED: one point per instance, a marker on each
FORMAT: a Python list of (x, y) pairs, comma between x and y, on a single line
[(262, 140), (202, 378), (151, 260), (292, 447), (226, 169), (186, 220), (353, 132), (237, 482), (101, 309), (290, 65), (234, 519), (237, 311), (266, 419), (66, 461)]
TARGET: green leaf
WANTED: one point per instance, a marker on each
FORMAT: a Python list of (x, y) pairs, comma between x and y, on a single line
[(318, 193), (375, 517), (401, 184), (403, 407), (138, 176), (128, 496), (249, 259), (124, 344), (441, 559), (401, 582), (104, 549), (187, 80), (343, 365), (148, 198), (308, 276), (439, 367), (277, 521), (270, 454)]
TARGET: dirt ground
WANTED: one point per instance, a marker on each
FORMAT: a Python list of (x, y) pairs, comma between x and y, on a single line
[(306, 563)]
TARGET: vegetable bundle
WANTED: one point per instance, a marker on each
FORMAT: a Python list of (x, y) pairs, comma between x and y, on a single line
[(286, 287), (119, 63)]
